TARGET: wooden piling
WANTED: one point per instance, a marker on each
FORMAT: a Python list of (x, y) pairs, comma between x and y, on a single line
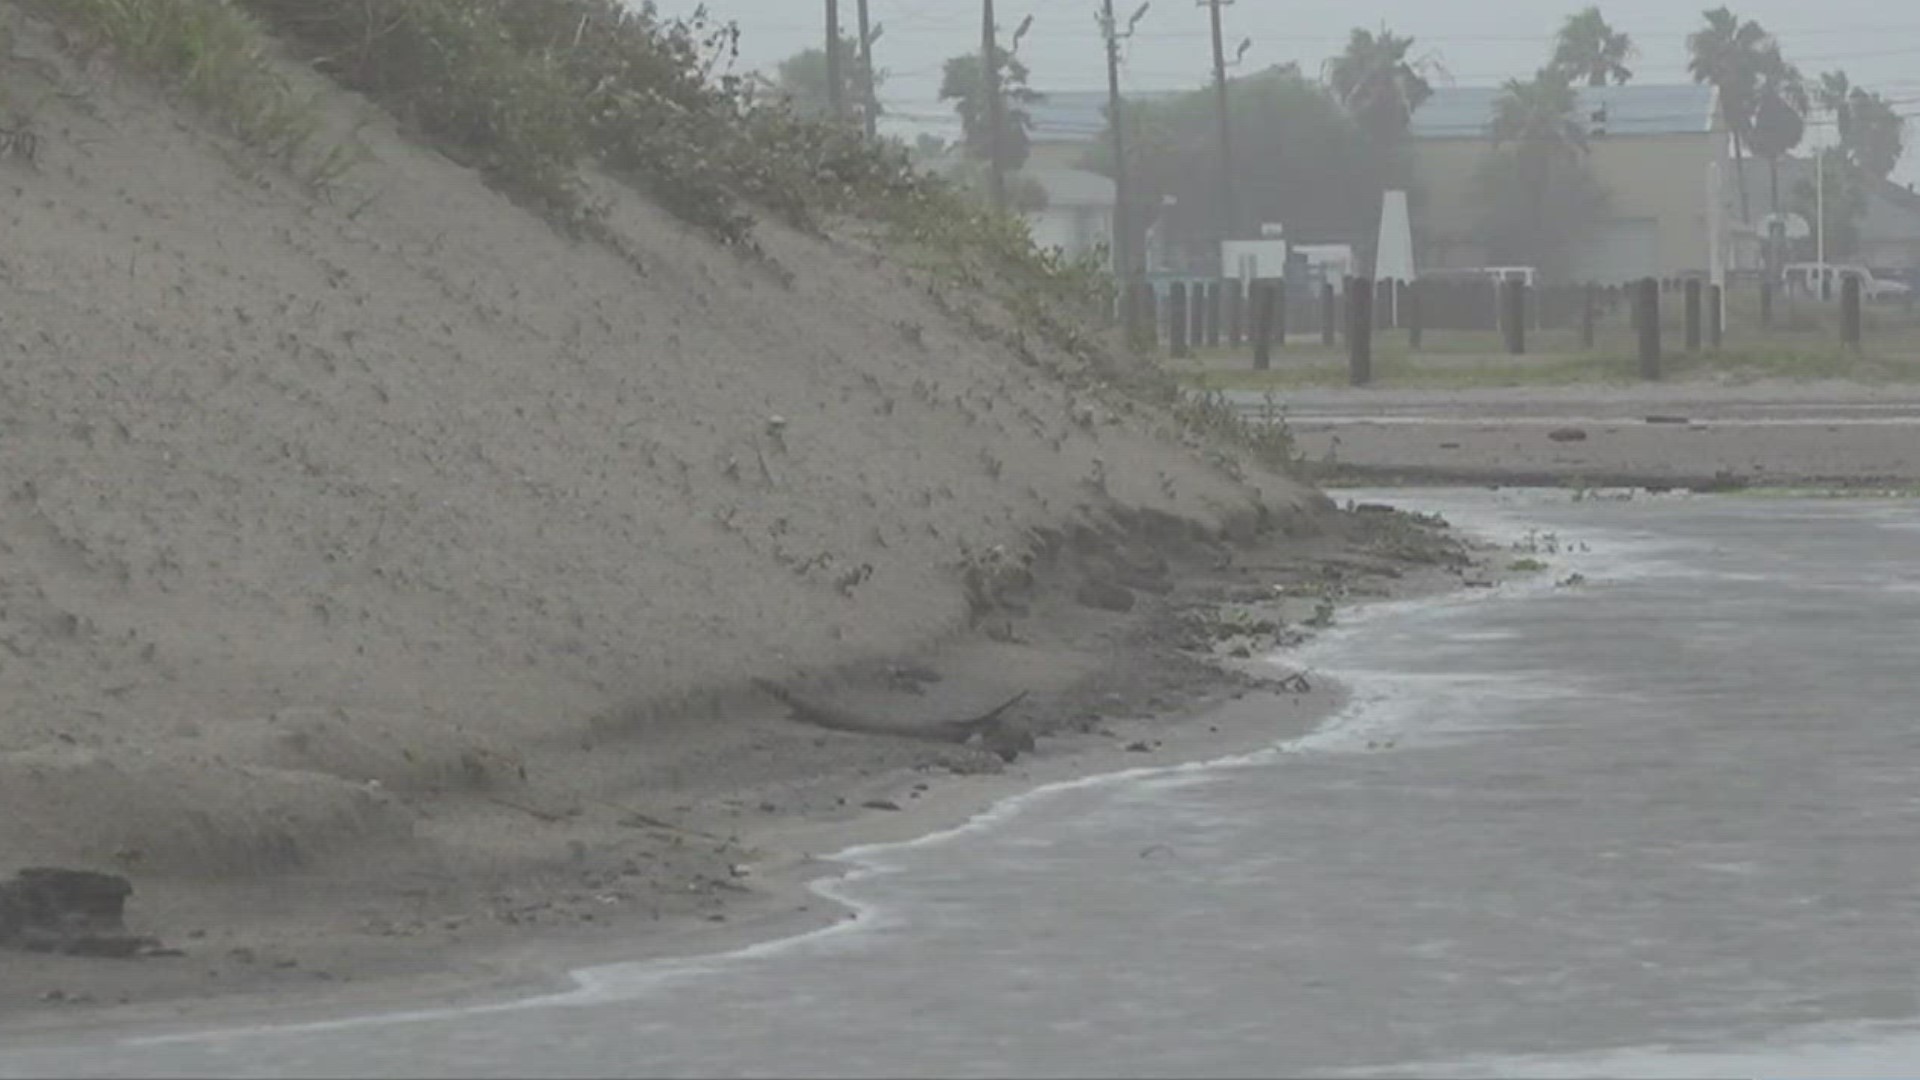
[(1360, 331), (1513, 316), (1262, 333), (1177, 321), (1850, 317), (1692, 301), (1647, 321)]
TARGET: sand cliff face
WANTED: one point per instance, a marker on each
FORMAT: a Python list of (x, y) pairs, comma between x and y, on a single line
[(408, 467)]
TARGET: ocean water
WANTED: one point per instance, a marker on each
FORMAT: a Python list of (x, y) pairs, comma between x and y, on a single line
[(1660, 821)]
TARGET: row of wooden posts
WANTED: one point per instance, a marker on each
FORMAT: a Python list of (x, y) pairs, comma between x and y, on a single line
[(1209, 314)]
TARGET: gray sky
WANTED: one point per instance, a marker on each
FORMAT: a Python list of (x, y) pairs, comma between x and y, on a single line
[(1477, 41)]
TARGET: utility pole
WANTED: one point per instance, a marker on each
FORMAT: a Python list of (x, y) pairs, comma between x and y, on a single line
[(1122, 209), (869, 98), (1229, 214), (996, 109), (836, 89)]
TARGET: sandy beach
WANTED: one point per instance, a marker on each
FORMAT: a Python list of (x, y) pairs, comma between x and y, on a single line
[(387, 580)]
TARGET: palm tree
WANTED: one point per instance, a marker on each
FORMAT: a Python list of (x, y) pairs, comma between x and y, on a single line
[(1590, 49), (964, 83), (1727, 55), (1378, 85), (1540, 116), (1781, 103), (1879, 136), (1539, 119), (802, 77), (1872, 132), (1835, 93)]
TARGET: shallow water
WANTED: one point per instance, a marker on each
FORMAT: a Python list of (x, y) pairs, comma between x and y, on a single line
[(1662, 823)]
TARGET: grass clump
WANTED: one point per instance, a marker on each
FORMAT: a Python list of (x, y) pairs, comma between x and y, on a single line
[(970, 247), (1266, 436), (212, 53)]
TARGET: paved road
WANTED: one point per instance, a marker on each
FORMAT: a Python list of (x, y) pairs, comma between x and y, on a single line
[(1810, 400), (1685, 435)]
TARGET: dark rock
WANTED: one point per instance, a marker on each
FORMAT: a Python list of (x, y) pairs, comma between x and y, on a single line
[(1008, 741), (1668, 420), (1139, 748), (1568, 434), (880, 804), (1105, 596), (78, 912)]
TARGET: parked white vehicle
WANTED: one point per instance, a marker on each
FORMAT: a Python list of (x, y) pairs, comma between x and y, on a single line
[(1807, 278)]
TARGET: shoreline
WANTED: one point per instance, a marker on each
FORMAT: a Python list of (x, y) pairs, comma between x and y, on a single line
[(551, 972), (780, 898)]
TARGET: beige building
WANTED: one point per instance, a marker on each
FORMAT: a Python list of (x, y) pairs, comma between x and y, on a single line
[(1650, 146)]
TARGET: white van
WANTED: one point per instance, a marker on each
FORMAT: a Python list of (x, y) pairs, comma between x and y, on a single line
[(1807, 279)]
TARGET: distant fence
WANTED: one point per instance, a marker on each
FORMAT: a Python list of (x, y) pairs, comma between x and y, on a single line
[(1190, 315)]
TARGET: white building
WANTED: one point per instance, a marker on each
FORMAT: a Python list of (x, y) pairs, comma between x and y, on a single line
[(1078, 218)]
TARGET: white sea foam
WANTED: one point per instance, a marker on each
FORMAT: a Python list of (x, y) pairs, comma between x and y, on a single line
[(1828, 1052)]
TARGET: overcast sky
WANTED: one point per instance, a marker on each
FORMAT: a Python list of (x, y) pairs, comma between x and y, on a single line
[(1479, 42)]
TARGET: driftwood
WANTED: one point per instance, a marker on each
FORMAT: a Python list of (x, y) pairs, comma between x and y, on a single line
[(948, 731)]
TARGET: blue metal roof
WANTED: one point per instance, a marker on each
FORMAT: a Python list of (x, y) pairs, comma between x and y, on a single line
[(1465, 112), (1078, 115), (1453, 112)]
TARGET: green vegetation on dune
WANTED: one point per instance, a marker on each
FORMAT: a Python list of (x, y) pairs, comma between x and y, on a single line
[(533, 93)]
